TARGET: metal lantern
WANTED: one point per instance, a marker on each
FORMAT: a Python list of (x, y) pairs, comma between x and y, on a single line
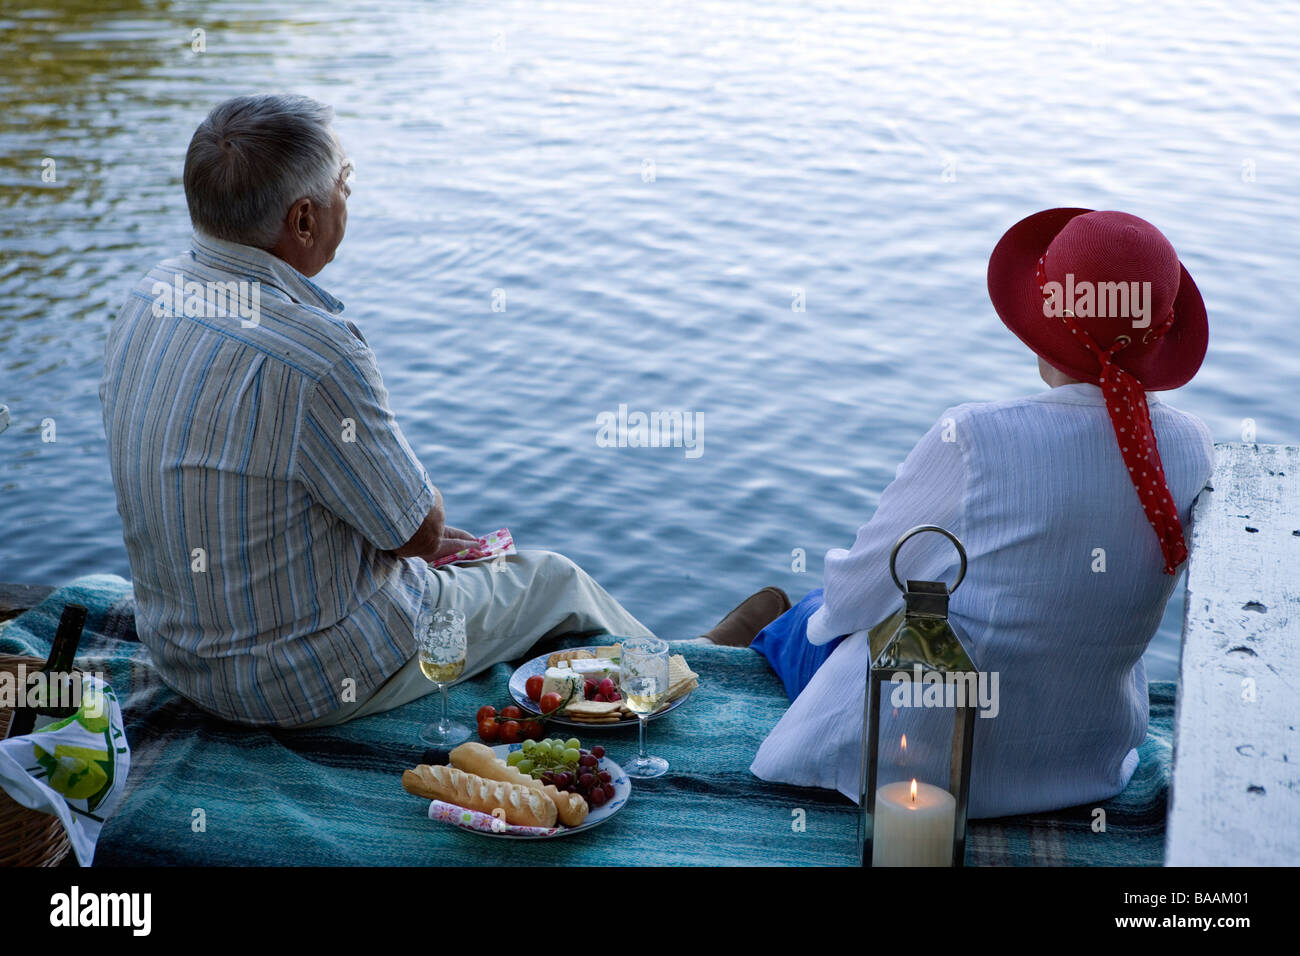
[(904, 823)]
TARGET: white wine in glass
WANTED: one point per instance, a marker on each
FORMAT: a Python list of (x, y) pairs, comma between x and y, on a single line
[(441, 673), (643, 679), (643, 695), (441, 640)]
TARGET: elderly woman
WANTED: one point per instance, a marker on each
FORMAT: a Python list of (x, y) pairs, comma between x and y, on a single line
[(280, 529), (1073, 506)]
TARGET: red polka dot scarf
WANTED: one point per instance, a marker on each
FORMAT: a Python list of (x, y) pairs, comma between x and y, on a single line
[(1126, 403)]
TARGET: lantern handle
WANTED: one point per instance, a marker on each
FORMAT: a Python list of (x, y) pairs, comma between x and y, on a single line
[(893, 555)]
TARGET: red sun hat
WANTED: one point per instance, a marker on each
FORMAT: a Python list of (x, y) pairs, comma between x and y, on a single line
[(1102, 297), (1099, 247)]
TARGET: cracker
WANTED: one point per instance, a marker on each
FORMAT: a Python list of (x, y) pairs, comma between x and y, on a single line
[(593, 708), (681, 679)]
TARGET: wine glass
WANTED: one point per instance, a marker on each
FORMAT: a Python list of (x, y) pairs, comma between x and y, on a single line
[(643, 679), (441, 639)]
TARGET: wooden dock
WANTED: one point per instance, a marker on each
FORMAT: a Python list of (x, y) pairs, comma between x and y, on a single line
[(1235, 792), (16, 598)]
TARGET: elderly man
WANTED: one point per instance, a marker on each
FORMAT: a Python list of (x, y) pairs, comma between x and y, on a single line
[(280, 529)]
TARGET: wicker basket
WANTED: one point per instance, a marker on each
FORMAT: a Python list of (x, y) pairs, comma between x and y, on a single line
[(27, 837)]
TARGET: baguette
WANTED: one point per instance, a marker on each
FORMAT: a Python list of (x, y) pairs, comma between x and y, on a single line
[(479, 759), (523, 806)]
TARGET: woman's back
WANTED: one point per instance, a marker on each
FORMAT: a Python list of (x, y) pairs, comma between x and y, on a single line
[(1063, 593)]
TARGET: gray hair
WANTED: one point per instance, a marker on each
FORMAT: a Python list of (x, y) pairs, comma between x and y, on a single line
[(255, 156)]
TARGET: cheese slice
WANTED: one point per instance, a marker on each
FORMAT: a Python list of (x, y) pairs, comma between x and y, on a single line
[(560, 680), (596, 670)]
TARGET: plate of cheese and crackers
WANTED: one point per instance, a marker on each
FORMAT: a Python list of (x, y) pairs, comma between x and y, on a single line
[(567, 672), (481, 792)]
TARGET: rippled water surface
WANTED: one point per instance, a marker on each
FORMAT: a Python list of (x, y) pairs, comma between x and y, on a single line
[(648, 184)]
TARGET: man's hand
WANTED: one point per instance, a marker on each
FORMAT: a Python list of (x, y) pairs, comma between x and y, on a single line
[(428, 536), (448, 546), (435, 538), (453, 540)]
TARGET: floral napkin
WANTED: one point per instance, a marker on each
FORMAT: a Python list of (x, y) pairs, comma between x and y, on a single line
[(477, 820), (489, 546)]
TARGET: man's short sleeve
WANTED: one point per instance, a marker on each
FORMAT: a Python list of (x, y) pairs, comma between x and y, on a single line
[(353, 459)]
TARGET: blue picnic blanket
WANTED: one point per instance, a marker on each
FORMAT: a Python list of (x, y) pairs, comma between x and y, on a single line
[(205, 792)]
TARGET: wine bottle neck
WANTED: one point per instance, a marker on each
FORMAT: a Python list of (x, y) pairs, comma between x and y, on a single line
[(64, 650)]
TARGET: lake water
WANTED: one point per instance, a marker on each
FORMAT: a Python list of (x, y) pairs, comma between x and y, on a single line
[(648, 185)]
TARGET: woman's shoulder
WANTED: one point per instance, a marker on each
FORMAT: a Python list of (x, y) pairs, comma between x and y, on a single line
[(1176, 428), (1051, 404), (1167, 416)]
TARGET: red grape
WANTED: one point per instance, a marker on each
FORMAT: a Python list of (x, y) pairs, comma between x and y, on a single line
[(597, 798), (605, 687), (598, 751)]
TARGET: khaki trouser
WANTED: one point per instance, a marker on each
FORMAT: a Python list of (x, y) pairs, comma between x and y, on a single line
[(509, 605)]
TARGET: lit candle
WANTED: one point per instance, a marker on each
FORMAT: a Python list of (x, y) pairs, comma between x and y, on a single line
[(913, 825)]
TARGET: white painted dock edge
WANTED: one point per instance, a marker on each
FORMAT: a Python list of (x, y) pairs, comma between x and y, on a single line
[(1235, 792)]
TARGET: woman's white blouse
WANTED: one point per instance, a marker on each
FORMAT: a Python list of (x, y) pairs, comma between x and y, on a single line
[(1063, 592)]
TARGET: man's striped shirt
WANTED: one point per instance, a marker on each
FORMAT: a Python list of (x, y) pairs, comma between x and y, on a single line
[(262, 481)]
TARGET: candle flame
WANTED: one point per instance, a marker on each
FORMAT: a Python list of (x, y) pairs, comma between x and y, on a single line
[(905, 741), (914, 790)]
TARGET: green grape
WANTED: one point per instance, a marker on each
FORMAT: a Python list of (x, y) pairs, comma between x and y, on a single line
[(515, 757), (529, 745), (525, 766), (573, 743), (558, 748), (571, 756)]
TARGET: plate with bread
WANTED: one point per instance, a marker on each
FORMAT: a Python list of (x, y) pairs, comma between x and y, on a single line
[(583, 679), (483, 791)]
